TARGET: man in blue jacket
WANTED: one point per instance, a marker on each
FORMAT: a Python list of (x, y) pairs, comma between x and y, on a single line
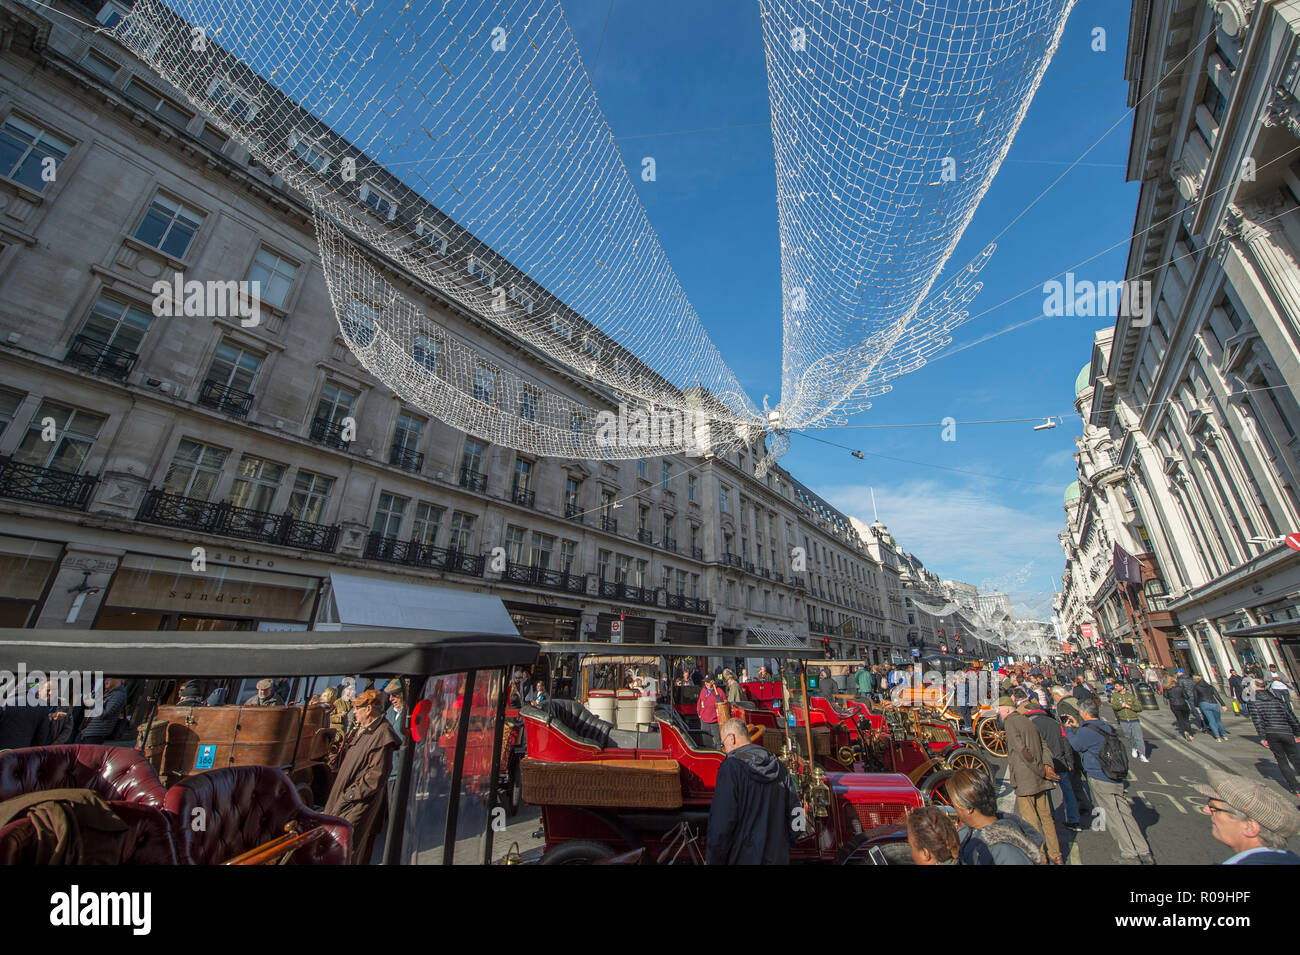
[(1108, 794), (1251, 818), (755, 817)]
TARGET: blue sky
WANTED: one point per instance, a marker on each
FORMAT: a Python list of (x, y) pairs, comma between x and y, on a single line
[(686, 84)]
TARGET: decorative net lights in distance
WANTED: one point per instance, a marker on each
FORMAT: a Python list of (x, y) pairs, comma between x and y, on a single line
[(462, 144)]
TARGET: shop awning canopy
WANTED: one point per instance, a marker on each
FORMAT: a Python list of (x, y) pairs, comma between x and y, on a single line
[(361, 602), (251, 653), (768, 637), (1279, 628), (611, 650)]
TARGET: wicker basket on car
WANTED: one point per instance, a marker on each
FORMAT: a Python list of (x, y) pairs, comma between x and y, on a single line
[(616, 783)]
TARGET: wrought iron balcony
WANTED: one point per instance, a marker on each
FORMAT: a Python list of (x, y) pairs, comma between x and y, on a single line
[(328, 433), (697, 553), (616, 590), (27, 482), (688, 604), (764, 572), (228, 520), (100, 358), (749, 566), (417, 554), (227, 400), (473, 480), (799, 582), (574, 512), (669, 543), (609, 525), (405, 458), (547, 579), (732, 560), (778, 576), (644, 536), (522, 496)]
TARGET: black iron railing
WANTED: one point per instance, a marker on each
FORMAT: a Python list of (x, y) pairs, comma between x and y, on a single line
[(732, 560), (764, 572), (522, 496), (778, 576), (547, 579), (669, 543), (473, 480), (621, 591), (328, 433), (688, 604), (27, 482), (798, 582), (644, 536), (417, 554), (574, 513), (697, 553), (99, 358), (609, 525), (405, 458), (228, 520), (224, 398)]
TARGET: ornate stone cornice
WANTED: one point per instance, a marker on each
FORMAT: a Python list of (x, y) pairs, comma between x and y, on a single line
[(1283, 109)]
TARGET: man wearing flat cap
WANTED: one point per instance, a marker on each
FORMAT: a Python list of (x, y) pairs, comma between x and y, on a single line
[(266, 695), (360, 791), (1251, 818)]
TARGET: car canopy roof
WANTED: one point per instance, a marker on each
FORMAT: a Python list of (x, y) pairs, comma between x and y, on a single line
[(553, 647), (248, 653)]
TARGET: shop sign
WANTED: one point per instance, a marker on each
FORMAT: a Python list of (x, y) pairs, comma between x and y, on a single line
[(1181, 645)]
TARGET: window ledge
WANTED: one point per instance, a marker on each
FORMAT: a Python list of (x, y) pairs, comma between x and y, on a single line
[(24, 192), (177, 265)]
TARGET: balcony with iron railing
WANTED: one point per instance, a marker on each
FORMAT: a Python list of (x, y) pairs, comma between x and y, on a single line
[(764, 572), (732, 560), (688, 604), (519, 494), (226, 399), (406, 458), (669, 543), (100, 358), (228, 520), (326, 432), (473, 480), (414, 553), (644, 536), (618, 590), (574, 512), (545, 578), (609, 525), (778, 576), (27, 482), (799, 582), (697, 553)]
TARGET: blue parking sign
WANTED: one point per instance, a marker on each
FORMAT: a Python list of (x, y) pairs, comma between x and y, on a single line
[(207, 757)]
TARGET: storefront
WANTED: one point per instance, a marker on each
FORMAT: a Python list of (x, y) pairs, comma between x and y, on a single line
[(26, 568), (686, 633), (632, 629), (545, 623)]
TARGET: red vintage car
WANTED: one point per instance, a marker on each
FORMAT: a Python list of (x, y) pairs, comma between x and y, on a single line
[(608, 788)]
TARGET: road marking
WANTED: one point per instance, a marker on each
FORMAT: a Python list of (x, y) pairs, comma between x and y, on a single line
[(1143, 792), (1160, 780), (1193, 755)]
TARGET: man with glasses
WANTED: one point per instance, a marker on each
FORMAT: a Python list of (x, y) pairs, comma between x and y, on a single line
[(1250, 818), (360, 791), (755, 817)]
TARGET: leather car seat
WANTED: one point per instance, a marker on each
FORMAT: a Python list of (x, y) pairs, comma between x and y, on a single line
[(113, 772), (580, 721)]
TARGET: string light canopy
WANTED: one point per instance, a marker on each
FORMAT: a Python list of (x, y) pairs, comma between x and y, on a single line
[(462, 146)]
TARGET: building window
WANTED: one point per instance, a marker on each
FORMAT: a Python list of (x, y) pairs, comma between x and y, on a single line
[(428, 518), (311, 153), (690, 487), (234, 366), (169, 226), (407, 435), (9, 402), (30, 154), (669, 530), (681, 582), (695, 538), (148, 98), (472, 457), (731, 593), (427, 353), (576, 426), (1214, 101), (560, 328), (542, 551), (256, 483), (111, 14), (231, 98), (591, 348), (100, 66), (276, 275), (643, 518), (359, 322), (528, 405), (602, 564), (514, 544), (378, 201), (117, 324), (572, 494), (666, 478), (462, 532), (431, 237), (477, 270), (643, 469), (335, 403), (622, 567), (523, 475), (307, 500), (522, 299), (195, 469), (389, 514), (75, 433), (485, 385), (695, 585), (568, 554), (723, 494), (642, 567)]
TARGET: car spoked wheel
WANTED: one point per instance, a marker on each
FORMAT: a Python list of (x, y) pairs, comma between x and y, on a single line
[(992, 737), (932, 788), (964, 757)]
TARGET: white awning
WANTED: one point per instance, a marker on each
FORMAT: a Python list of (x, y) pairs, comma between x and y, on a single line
[(770, 637), (359, 602)]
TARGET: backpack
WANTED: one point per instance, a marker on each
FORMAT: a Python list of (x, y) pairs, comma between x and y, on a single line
[(1113, 756)]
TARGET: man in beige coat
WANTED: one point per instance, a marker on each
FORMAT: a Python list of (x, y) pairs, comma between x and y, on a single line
[(1030, 766)]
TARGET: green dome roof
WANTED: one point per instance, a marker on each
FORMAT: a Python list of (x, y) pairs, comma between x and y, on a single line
[(1081, 382), (1072, 492)]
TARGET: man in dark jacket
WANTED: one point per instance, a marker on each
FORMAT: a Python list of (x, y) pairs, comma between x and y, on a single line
[(101, 727), (1187, 688), (1062, 759), (1028, 763), (1082, 691), (360, 791), (755, 817), (23, 724), (1279, 731)]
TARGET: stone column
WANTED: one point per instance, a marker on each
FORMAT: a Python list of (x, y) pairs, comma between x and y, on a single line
[(79, 587), (1258, 227)]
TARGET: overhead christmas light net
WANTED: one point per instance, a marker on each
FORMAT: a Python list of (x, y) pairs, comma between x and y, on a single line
[(462, 145)]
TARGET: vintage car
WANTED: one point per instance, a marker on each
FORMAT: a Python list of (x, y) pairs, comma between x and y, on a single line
[(443, 797), (645, 786)]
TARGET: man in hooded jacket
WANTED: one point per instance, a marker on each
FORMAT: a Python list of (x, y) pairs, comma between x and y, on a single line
[(755, 817)]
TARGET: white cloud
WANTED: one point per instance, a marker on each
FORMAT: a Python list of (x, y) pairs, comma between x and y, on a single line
[(969, 533)]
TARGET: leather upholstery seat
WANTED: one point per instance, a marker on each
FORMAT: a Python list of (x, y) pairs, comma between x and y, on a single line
[(579, 721), (148, 840), (113, 772), (242, 808)]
